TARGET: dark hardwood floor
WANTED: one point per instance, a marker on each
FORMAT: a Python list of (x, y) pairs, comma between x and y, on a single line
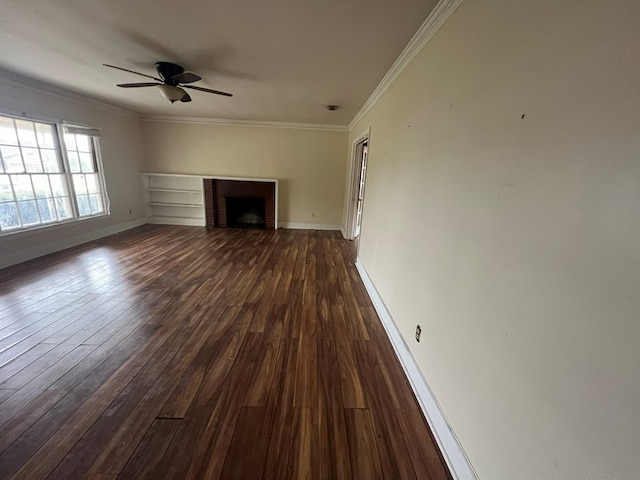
[(186, 352)]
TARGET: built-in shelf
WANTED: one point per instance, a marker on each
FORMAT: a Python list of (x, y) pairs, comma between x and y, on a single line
[(177, 199), (174, 199), (187, 205), (173, 190)]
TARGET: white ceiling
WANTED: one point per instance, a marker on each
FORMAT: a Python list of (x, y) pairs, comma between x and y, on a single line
[(284, 60)]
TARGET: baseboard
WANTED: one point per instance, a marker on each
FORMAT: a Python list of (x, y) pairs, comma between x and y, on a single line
[(343, 231), (309, 226), (451, 449), (193, 222), (41, 250)]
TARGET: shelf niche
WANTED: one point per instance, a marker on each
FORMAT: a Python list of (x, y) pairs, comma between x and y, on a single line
[(174, 199)]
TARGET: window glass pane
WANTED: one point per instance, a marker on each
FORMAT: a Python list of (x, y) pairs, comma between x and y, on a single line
[(86, 162), (96, 204), (29, 212), (50, 161), (74, 163), (45, 135), (26, 134), (47, 210), (84, 208), (31, 158), (92, 183), (12, 159), (79, 184), (83, 143), (70, 141), (58, 185), (7, 132), (22, 187), (41, 186), (6, 194), (9, 216), (63, 208)]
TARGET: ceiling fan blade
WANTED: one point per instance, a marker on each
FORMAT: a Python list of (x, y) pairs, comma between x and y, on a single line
[(186, 77), (135, 85), (131, 71), (185, 98), (208, 90)]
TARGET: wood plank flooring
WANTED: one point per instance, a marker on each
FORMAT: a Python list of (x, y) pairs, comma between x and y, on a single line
[(188, 353)]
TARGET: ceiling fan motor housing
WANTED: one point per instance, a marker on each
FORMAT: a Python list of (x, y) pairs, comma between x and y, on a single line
[(167, 71)]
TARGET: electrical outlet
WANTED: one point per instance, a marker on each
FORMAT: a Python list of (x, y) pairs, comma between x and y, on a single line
[(313, 214), (418, 332)]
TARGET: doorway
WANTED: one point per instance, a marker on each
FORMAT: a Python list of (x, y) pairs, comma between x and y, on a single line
[(358, 173), (362, 148)]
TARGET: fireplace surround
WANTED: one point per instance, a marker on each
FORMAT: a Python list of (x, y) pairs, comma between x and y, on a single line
[(225, 200)]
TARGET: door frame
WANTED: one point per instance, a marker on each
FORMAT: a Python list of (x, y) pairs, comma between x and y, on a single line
[(353, 180)]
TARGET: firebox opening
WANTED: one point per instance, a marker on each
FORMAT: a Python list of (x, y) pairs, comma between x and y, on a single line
[(245, 212)]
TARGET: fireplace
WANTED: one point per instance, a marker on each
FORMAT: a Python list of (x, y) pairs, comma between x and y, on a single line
[(245, 212), (240, 203)]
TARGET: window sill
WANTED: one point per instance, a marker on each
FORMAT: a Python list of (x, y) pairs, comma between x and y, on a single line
[(51, 227)]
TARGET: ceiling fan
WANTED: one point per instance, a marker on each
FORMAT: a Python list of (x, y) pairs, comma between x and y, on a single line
[(172, 82)]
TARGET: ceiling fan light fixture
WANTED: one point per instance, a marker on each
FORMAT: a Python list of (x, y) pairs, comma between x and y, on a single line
[(171, 93)]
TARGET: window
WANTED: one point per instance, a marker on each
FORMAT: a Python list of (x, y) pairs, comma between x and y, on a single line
[(83, 165), (48, 174)]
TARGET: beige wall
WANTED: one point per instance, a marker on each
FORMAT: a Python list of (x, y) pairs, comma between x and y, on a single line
[(121, 149), (309, 164), (514, 241)]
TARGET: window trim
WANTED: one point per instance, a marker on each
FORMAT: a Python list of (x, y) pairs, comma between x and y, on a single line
[(61, 149)]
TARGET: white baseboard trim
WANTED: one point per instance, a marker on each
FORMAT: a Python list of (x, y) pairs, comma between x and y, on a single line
[(41, 250), (309, 226), (193, 222), (450, 447)]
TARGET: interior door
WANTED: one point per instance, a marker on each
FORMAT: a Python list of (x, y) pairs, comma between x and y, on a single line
[(360, 191)]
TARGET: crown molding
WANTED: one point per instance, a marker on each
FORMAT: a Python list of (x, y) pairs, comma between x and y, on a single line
[(440, 14), (245, 123), (18, 80)]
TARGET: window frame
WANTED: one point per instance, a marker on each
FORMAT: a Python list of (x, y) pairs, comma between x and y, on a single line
[(97, 162), (58, 132)]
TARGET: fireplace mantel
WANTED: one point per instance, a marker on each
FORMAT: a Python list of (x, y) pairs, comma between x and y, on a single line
[(179, 199)]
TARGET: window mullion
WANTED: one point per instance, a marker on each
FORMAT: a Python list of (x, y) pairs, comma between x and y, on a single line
[(62, 148), (35, 132), (35, 197), (13, 188), (15, 200), (52, 199), (15, 128), (33, 187)]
